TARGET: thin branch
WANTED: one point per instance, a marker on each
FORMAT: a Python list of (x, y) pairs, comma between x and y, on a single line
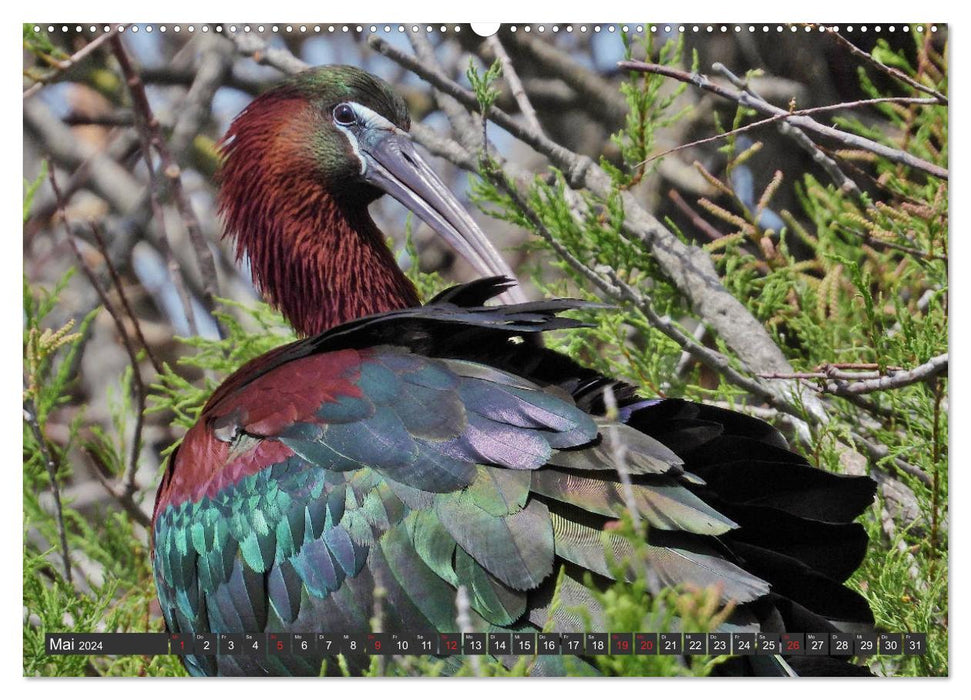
[(786, 128), (30, 416), (867, 238), (892, 72), (461, 122), (150, 132), (116, 280), (748, 100), (930, 369), (597, 96), (251, 44), (70, 62), (837, 175), (214, 65), (696, 220), (122, 496), (515, 84), (132, 467)]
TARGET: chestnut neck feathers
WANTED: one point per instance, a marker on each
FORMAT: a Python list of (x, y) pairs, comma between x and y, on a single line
[(289, 198)]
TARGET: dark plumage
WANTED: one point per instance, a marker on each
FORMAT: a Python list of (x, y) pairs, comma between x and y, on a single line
[(419, 449)]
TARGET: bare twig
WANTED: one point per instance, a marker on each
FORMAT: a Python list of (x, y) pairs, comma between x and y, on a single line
[(129, 477), (251, 44), (30, 416), (70, 62), (515, 84), (786, 128), (879, 243), (151, 136), (930, 369), (696, 220), (116, 280), (843, 383), (597, 97), (748, 100), (837, 175), (459, 119), (215, 63), (108, 178), (892, 72)]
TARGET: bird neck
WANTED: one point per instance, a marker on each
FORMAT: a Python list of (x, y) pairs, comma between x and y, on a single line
[(334, 268), (319, 260), (315, 254)]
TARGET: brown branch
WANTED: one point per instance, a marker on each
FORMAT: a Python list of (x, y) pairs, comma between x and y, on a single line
[(807, 123), (930, 369), (842, 383), (122, 496), (892, 72), (136, 449), (116, 280), (151, 136), (837, 175), (70, 62), (696, 220)]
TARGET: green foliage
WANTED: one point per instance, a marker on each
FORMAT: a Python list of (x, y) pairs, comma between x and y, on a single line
[(39, 44), (484, 86), (253, 331), (649, 100), (111, 586)]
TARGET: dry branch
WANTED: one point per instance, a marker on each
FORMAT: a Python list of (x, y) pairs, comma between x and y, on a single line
[(151, 138), (748, 100)]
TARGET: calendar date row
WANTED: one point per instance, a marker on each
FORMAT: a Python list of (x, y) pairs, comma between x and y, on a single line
[(495, 644)]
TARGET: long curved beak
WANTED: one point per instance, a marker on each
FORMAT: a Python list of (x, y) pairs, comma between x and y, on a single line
[(394, 166)]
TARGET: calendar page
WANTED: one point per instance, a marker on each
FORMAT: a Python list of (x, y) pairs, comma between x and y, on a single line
[(605, 349)]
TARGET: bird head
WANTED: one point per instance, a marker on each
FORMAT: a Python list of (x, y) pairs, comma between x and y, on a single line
[(303, 161)]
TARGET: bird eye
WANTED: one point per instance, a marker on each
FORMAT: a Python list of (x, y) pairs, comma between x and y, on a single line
[(344, 114)]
